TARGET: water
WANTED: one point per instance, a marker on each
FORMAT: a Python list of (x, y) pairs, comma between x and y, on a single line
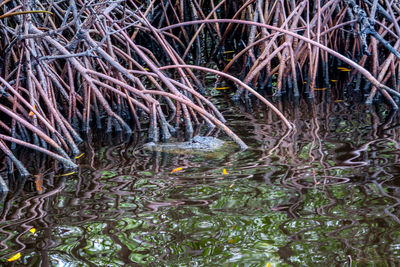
[(326, 194)]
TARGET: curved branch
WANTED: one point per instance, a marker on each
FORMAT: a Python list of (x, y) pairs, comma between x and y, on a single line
[(350, 62), (236, 80)]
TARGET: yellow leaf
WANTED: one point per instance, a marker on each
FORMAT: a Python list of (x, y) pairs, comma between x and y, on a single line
[(224, 171), (146, 69), (31, 113), (228, 52), (231, 186), (333, 81), (67, 174), (38, 184), (229, 59), (338, 100), (15, 257), (33, 230), (222, 88), (176, 170), (268, 264), (343, 69), (79, 156), (320, 89)]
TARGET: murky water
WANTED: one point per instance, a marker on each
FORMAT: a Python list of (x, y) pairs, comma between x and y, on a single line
[(326, 194)]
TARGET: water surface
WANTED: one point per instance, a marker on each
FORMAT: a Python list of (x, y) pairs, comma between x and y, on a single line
[(327, 193)]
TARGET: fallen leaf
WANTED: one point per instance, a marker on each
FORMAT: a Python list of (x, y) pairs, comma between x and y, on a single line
[(231, 186), (15, 257), (224, 171), (268, 264), (228, 52), (33, 230), (38, 184), (320, 89), (176, 170), (79, 156), (343, 69), (67, 174), (229, 59), (338, 100), (222, 88), (31, 113), (333, 81)]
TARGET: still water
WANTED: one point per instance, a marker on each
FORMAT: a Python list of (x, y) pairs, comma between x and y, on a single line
[(325, 194)]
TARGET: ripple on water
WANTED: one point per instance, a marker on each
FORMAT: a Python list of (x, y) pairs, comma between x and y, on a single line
[(319, 195)]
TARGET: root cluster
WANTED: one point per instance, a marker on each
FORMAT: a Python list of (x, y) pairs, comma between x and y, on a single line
[(70, 66)]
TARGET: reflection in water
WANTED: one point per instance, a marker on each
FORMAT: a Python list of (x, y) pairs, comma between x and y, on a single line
[(324, 193)]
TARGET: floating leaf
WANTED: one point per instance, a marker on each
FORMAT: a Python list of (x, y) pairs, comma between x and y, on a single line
[(33, 230), (222, 88), (224, 171), (176, 170), (38, 184), (79, 156), (15, 257)]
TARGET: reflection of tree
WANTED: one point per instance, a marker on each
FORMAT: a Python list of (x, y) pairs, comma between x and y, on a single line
[(291, 198)]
